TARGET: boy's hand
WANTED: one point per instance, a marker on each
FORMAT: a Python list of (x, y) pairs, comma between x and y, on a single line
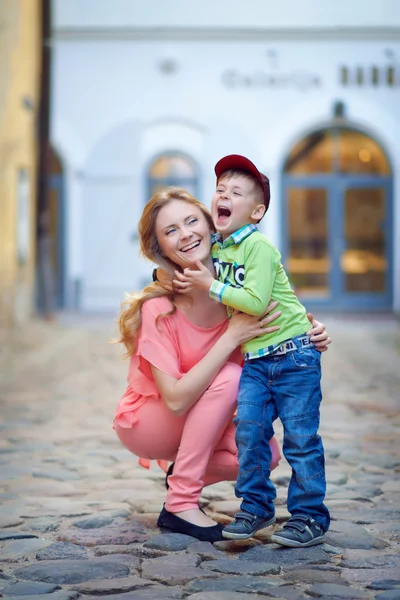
[(189, 279)]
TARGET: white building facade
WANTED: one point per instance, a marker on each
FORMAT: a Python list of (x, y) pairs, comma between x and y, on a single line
[(151, 94)]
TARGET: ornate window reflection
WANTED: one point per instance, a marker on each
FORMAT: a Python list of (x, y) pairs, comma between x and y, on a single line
[(173, 169)]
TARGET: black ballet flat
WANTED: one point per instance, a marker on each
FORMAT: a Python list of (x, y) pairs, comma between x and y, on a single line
[(175, 524)]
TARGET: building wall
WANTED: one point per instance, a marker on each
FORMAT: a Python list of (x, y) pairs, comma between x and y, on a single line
[(19, 100), (130, 83), (253, 14)]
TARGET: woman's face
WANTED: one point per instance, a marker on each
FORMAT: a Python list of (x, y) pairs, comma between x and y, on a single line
[(183, 233)]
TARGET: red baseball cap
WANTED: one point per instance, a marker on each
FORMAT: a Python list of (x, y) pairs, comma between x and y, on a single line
[(236, 161)]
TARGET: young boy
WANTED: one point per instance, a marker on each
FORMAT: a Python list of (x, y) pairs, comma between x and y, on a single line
[(282, 371)]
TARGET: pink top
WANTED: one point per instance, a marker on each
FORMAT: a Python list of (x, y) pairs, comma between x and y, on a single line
[(172, 344)]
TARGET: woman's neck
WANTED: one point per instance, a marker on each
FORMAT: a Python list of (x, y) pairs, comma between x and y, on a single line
[(209, 263), (198, 307)]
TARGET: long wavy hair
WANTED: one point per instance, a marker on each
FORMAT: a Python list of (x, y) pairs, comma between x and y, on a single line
[(130, 320)]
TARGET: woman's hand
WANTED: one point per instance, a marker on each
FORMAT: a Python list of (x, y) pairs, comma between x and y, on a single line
[(318, 334), (243, 328)]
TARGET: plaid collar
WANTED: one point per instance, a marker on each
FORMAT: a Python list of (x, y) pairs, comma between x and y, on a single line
[(236, 237)]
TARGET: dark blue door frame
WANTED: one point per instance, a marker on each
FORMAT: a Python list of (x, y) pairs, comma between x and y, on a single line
[(336, 186), (56, 183)]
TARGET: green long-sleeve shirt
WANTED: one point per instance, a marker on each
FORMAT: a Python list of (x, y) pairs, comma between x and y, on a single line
[(250, 275)]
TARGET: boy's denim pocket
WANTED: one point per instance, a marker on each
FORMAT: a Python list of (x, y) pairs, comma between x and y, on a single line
[(306, 358)]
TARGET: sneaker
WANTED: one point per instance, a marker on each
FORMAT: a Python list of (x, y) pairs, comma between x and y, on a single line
[(245, 526), (299, 532)]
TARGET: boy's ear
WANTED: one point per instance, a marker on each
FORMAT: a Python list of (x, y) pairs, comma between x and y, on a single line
[(258, 212)]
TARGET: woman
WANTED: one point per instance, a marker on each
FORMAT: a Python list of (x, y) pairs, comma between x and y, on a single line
[(185, 365)]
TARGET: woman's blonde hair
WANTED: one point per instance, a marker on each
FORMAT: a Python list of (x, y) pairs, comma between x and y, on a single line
[(130, 320)]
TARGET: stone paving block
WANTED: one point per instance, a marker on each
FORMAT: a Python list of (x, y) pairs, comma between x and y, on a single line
[(42, 524), (367, 515), (172, 574), (122, 512), (336, 476), (385, 461), (45, 506), (275, 554), (102, 587), (235, 584), (170, 541), (205, 550), (105, 535), (390, 531), (24, 588), (313, 576), (45, 487), (237, 546), (338, 592), (372, 562), (366, 576), (224, 596), (127, 533), (328, 567), (150, 593), (349, 535), (71, 571), (333, 550), (56, 596), (287, 592), (389, 595), (15, 549), (391, 486), (384, 584), (235, 567), (94, 522), (127, 559), (56, 474), (9, 521), (134, 549), (179, 559), (62, 550)]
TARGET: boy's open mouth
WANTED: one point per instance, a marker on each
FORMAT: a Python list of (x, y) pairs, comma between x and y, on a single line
[(223, 211)]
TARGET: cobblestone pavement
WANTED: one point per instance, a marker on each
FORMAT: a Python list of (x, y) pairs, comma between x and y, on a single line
[(78, 515)]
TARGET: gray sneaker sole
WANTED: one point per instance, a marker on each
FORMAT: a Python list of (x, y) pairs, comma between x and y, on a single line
[(245, 536), (295, 543)]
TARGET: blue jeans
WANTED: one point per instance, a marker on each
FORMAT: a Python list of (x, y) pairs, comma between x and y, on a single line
[(285, 386)]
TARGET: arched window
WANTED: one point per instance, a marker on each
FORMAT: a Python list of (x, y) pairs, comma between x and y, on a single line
[(173, 169), (337, 150), (338, 219)]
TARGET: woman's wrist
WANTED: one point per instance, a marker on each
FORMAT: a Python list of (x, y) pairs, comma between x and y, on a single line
[(230, 340)]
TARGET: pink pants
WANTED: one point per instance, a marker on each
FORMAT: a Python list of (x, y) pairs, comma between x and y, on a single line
[(201, 442)]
